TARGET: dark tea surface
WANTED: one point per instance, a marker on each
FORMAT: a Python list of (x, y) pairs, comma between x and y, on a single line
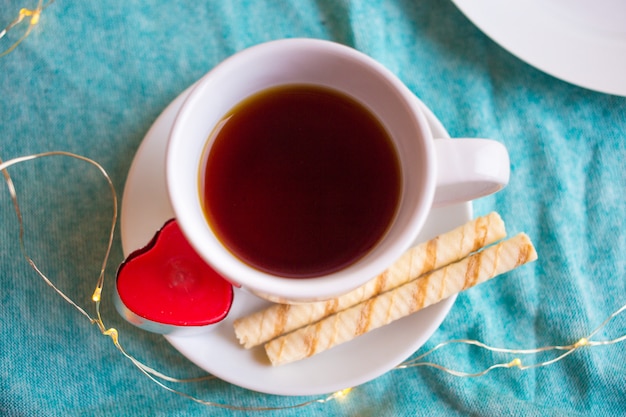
[(300, 181)]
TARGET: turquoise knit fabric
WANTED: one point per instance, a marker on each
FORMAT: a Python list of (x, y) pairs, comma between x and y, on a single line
[(93, 76)]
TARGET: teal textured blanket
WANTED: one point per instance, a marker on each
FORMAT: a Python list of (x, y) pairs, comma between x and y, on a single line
[(93, 76)]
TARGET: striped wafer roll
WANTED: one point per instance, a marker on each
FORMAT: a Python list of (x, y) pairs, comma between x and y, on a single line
[(402, 301), (456, 244)]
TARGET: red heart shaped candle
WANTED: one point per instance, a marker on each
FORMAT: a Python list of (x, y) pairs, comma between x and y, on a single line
[(166, 287)]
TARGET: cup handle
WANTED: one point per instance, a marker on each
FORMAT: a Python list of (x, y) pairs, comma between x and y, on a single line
[(468, 169)]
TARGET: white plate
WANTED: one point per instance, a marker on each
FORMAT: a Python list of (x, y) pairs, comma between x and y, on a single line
[(579, 41), (145, 207)]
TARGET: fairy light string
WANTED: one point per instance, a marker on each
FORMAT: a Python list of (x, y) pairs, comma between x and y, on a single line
[(32, 16), (516, 362), (160, 379)]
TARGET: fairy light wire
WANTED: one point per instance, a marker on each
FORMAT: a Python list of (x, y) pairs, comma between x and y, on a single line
[(13, 193), (33, 14), (517, 362), (159, 378)]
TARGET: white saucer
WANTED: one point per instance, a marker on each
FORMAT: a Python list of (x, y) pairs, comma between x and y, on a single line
[(145, 207), (579, 41)]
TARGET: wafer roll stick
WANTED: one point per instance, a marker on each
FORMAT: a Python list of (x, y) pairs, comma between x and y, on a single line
[(402, 301), (456, 244)]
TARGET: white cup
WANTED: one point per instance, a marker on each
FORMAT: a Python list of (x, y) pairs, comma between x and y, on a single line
[(434, 172)]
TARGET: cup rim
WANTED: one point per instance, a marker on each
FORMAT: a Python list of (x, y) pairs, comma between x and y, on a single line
[(271, 287)]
